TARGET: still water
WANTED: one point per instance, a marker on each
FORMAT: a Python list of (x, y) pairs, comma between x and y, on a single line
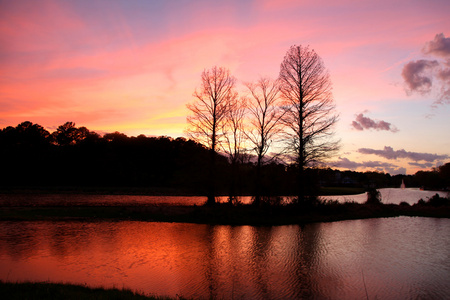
[(393, 258), (393, 196), (388, 195)]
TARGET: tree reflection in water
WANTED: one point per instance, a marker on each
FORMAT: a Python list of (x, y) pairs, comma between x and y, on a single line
[(400, 258)]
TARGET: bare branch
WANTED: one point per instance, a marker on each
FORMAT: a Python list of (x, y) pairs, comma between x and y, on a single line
[(209, 114), (309, 116), (265, 114)]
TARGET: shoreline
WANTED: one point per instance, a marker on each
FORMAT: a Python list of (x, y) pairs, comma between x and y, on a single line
[(222, 214), (69, 291), (145, 191)]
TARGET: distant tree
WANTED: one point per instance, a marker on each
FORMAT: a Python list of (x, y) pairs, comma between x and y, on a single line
[(309, 111), (444, 174), (209, 114), (27, 134), (69, 134), (24, 150), (116, 137), (264, 123)]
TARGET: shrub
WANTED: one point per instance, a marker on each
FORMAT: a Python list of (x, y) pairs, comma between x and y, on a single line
[(373, 196), (437, 200)]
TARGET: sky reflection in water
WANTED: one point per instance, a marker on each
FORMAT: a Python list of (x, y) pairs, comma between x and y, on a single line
[(400, 257)]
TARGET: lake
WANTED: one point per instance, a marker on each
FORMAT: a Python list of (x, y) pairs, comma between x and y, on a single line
[(388, 195), (392, 196), (390, 258)]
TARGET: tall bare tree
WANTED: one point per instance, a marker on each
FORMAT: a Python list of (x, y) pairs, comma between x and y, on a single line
[(265, 115), (209, 113), (309, 110), (234, 137)]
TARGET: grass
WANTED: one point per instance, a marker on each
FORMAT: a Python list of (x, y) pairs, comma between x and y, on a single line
[(47, 290)]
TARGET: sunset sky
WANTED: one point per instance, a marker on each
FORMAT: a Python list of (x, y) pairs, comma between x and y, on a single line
[(132, 66)]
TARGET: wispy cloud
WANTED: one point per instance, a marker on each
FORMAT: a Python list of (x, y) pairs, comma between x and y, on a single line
[(390, 153), (390, 168), (361, 123), (426, 165)]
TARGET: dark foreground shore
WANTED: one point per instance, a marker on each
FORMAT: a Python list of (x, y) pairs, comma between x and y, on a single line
[(223, 213), (47, 290)]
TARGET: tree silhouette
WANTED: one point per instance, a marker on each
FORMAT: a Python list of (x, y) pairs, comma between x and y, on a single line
[(27, 134), (68, 134), (233, 145), (309, 110), (209, 114), (264, 120)]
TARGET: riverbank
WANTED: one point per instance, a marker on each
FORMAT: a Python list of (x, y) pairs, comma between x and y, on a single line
[(224, 214), (56, 291)]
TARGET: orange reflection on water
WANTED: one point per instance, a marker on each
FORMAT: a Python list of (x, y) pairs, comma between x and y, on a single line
[(395, 257)]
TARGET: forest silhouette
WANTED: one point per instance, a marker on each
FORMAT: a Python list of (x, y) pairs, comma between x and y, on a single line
[(75, 158)]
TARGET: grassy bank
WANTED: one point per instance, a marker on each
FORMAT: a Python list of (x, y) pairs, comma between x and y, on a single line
[(223, 213), (46, 290)]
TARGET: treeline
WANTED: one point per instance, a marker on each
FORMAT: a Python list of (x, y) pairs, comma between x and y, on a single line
[(74, 156), (435, 179)]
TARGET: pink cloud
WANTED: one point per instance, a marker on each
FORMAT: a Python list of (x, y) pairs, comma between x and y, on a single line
[(422, 76), (440, 46), (64, 58), (418, 75), (389, 153), (362, 123), (393, 169)]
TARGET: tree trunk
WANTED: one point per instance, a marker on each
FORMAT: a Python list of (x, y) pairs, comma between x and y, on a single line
[(212, 179)]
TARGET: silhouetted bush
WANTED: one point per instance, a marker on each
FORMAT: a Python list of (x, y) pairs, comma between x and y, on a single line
[(421, 202), (437, 200), (373, 196)]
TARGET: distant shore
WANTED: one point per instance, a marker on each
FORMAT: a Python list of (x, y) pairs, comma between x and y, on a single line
[(224, 214), (144, 191)]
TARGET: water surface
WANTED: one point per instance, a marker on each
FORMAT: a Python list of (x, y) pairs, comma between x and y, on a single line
[(388, 195), (392, 196), (394, 258)]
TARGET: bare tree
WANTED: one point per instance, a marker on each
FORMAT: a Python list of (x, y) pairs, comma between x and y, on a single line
[(209, 113), (265, 115), (234, 136), (309, 110)]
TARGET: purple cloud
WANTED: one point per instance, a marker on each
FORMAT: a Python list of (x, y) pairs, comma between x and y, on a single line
[(389, 153), (345, 163), (418, 76), (426, 165), (440, 46), (362, 123), (444, 74)]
